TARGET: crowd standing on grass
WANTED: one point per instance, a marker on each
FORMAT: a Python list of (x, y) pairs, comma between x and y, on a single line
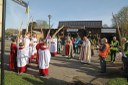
[(27, 48)]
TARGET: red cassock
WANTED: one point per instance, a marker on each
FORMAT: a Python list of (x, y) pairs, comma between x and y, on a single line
[(44, 60), (37, 48), (67, 49), (12, 58)]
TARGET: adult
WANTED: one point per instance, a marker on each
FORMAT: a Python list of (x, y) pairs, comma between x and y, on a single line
[(104, 49), (114, 48), (125, 56), (69, 48), (85, 55)]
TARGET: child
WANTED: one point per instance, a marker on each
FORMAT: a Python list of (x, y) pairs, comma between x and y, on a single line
[(44, 58), (34, 50), (13, 54), (21, 58)]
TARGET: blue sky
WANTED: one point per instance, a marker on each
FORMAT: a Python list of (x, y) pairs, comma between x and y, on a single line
[(63, 10)]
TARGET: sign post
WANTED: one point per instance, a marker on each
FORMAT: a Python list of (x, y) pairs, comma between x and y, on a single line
[(3, 41), (24, 4)]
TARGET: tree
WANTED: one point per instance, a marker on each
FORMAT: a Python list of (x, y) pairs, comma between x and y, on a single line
[(11, 32), (42, 24), (32, 25), (122, 19)]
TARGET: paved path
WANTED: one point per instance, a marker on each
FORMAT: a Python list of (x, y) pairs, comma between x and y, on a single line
[(70, 70)]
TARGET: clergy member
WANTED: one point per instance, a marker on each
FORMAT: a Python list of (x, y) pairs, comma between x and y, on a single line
[(85, 55)]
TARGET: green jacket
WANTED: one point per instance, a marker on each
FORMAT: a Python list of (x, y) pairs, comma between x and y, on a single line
[(114, 45)]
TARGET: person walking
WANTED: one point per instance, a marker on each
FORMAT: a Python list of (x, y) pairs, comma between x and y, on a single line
[(85, 55)]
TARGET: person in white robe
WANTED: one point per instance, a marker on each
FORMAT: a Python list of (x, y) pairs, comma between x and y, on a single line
[(26, 46), (44, 58), (34, 51), (85, 55), (53, 47), (21, 58)]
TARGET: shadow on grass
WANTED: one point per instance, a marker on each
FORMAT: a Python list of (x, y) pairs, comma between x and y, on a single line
[(53, 81)]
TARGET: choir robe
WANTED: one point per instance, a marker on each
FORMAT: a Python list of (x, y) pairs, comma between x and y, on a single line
[(12, 58), (44, 60), (26, 47), (21, 60), (53, 47), (34, 50), (30, 52), (85, 55), (37, 48), (69, 49)]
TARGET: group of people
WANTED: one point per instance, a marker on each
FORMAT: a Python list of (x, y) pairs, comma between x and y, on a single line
[(26, 48), (71, 46), (116, 50)]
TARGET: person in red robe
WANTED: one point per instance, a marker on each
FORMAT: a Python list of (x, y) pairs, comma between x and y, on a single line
[(69, 48), (21, 58), (44, 58), (37, 48), (13, 55)]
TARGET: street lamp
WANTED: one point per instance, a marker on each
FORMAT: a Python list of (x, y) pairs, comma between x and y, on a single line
[(49, 16)]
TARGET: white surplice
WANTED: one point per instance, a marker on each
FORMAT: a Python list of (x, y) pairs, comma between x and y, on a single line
[(35, 41), (85, 54), (44, 58), (21, 58)]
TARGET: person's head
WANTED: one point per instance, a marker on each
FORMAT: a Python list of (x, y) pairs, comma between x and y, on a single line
[(85, 38), (42, 40), (34, 35), (68, 39), (123, 39), (21, 44), (104, 40), (114, 38), (13, 40), (28, 34), (20, 36)]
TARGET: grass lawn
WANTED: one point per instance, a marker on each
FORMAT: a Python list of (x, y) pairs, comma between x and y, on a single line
[(118, 81), (12, 78)]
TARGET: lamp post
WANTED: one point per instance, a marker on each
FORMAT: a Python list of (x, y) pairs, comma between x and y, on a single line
[(49, 17)]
